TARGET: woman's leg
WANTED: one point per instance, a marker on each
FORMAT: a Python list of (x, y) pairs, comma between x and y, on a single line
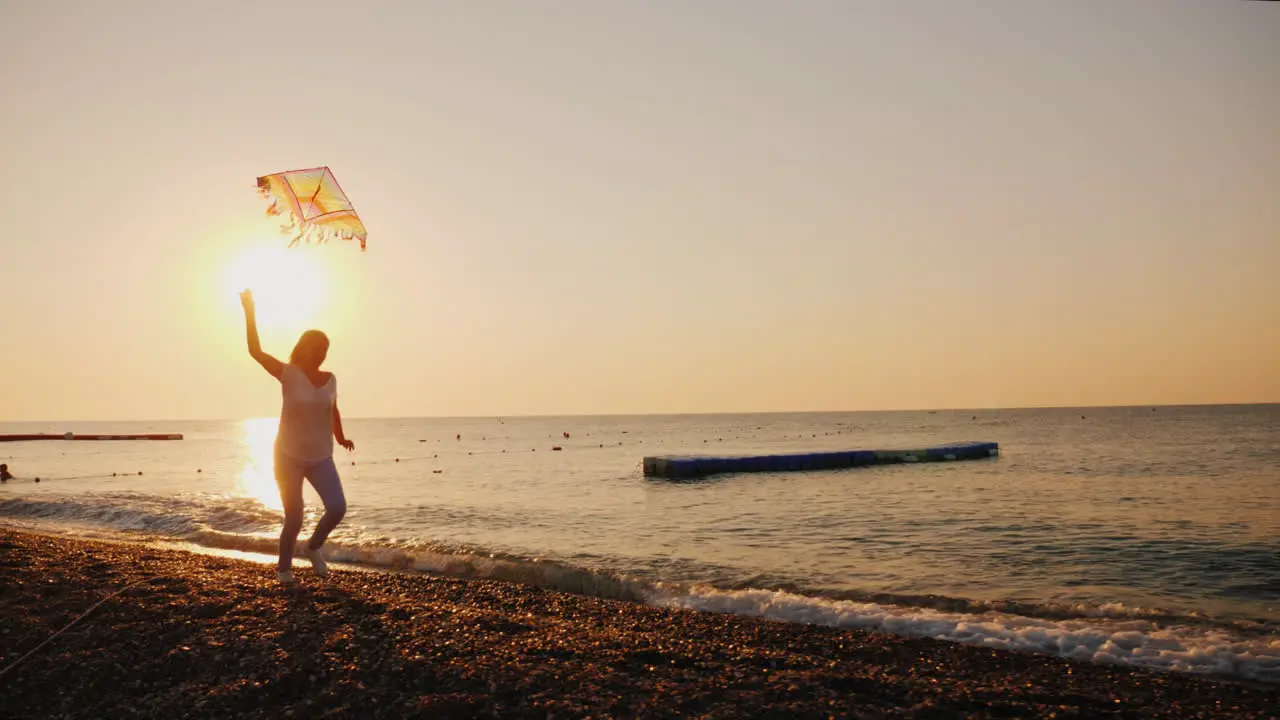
[(289, 480), (324, 478)]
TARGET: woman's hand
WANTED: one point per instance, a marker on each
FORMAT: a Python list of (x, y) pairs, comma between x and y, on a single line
[(246, 300), (338, 434)]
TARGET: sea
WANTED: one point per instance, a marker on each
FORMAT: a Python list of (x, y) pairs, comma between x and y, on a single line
[(1140, 536)]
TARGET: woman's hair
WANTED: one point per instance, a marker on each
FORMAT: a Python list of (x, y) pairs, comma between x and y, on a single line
[(309, 339)]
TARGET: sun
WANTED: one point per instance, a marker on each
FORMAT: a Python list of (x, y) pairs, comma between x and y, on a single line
[(290, 288)]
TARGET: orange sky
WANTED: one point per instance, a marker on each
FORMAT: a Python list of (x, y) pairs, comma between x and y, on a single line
[(614, 207)]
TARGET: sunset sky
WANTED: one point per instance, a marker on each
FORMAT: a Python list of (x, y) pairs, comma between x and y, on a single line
[(624, 207)]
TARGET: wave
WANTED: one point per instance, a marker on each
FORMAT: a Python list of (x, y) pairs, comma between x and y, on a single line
[(1185, 647), (445, 559), (1109, 633), (136, 512)]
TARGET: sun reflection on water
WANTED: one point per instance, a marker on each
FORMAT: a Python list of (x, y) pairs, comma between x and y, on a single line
[(257, 479)]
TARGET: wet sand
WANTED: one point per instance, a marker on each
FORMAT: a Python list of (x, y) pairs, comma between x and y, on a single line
[(202, 636)]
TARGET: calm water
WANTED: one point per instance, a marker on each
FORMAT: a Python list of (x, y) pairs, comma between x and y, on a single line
[(1135, 535)]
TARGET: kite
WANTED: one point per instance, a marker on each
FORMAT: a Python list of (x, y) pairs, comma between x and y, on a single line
[(315, 205)]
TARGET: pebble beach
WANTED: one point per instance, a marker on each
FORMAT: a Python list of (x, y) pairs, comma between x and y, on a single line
[(170, 633)]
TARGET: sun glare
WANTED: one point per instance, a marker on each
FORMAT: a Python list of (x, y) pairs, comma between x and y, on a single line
[(257, 479), (289, 287)]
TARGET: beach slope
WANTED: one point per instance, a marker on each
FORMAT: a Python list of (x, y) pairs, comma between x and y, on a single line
[(193, 635)]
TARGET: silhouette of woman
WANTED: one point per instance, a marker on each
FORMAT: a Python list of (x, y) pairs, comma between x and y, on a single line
[(309, 423)]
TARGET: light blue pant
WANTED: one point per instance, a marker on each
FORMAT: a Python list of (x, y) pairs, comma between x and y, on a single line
[(323, 476)]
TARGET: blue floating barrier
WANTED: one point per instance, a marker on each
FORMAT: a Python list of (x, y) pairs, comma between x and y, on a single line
[(863, 457), (683, 467)]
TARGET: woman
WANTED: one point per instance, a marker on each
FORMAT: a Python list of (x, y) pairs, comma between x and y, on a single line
[(309, 422)]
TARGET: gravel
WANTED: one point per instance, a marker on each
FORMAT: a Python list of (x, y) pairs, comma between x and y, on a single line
[(193, 635)]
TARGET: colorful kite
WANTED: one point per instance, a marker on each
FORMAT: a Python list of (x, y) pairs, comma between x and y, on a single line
[(315, 204)]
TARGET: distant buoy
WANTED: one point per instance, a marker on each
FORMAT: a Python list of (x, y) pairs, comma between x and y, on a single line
[(555, 448), (199, 470), (139, 472), (397, 459)]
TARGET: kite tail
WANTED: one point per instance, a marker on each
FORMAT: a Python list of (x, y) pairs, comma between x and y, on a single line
[(315, 234), (275, 207), (319, 234)]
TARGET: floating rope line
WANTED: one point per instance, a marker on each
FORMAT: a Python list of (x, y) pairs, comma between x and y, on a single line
[(41, 478), (442, 456)]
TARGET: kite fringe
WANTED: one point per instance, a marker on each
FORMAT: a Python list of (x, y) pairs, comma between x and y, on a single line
[(303, 232)]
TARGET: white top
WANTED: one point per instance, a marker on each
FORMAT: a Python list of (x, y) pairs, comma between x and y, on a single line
[(306, 416)]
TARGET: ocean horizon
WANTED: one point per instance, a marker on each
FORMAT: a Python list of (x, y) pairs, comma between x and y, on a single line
[(707, 413)]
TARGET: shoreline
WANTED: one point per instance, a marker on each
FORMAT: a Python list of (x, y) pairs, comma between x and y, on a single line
[(219, 637)]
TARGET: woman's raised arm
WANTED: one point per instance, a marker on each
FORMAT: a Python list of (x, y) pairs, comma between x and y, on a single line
[(269, 363)]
